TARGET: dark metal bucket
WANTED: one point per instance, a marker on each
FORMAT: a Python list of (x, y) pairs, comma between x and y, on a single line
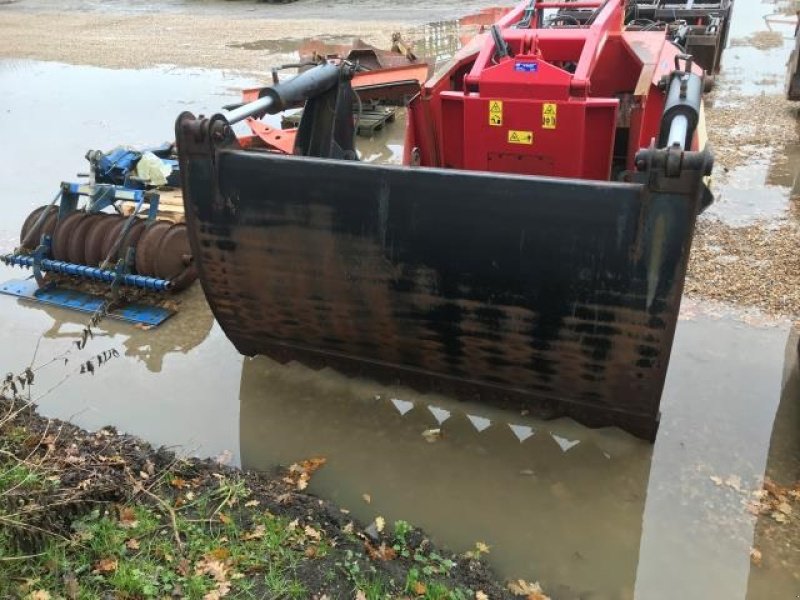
[(557, 295)]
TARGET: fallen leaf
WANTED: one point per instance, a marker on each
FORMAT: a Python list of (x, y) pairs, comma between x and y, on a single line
[(127, 518), (785, 508), (217, 569), (312, 533), (717, 480), (224, 519), (71, 586), (419, 588), (779, 517), (105, 565), (219, 554), (190, 496), (256, 534), (481, 595), (360, 595), (224, 458), (382, 552), (532, 591), (251, 503), (432, 435), (144, 475), (38, 595), (284, 498), (482, 547), (348, 528), (755, 556), (132, 544), (178, 483), (380, 523), (183, 567), (367, 498), (293, 525), (311, 551), (734, 482)]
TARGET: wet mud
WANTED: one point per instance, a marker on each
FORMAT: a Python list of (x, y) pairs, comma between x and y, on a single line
[(589, 513)]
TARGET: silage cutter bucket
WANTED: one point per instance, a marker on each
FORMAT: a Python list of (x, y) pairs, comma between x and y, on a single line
[(557, 295)]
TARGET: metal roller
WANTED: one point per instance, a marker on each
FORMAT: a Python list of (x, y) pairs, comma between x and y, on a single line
[(147, 247), (95, 239), (174, 257), (31, 234), (76, 244), (63, 233)]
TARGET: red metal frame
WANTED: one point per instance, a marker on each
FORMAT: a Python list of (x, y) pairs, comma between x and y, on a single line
[(574, 101)]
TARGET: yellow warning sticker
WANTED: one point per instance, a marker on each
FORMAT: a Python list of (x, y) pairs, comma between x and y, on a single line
[(495, 113), (520, 137), (549, 115)]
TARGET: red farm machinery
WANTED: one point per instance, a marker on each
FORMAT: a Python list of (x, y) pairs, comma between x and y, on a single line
[(532, 249)]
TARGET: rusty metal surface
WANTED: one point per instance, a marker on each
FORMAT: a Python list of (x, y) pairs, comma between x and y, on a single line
[(558, 295)]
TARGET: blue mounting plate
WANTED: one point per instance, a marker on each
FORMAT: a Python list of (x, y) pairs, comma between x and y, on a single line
[(83, 302)]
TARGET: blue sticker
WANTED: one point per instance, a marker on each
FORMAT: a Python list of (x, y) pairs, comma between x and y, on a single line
[(527, 67)]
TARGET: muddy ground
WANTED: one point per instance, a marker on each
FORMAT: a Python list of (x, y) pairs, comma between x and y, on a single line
[(58, 480)]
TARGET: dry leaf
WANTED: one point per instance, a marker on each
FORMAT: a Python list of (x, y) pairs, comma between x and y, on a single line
[(755, 556), (734, 482), (382, 552), (380, 523), (312, 533), (311, 551), (217, 569), (256, 534), (293, 525), (178, 483), (532, 591), (482, 547), (779, 517), (432, 435), (132, 544), (785, 508), (219, 554), (38, 595), (183, 568), (284, 498), (360, 595), (105, 565), (481, 595), (251, 503), (348, 528), (420, 589), (367, 498), (190, 496), (127, 518), (224, 519), (715, 479), (71, 586)]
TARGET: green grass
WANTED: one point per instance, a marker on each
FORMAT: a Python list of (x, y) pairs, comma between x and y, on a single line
[(186, 532)]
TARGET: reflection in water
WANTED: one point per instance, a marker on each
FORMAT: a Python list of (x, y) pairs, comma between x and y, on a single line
[(179, 334), (557, 502), (778, 542)]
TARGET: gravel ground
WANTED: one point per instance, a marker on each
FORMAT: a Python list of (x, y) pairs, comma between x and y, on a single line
[(757, 265), (145, 40)]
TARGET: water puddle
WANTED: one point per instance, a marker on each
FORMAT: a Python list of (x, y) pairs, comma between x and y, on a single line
[(747, 195)]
